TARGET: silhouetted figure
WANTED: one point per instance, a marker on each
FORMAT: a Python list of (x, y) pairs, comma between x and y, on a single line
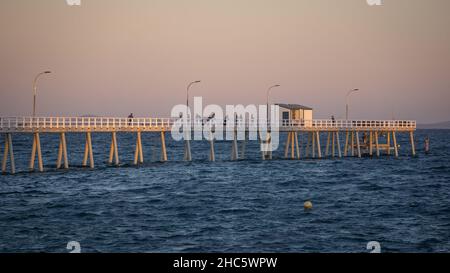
[(130, 119), (333, 120)]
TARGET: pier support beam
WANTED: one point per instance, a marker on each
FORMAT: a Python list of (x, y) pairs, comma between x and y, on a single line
[(212, 154), (388, 142), (163, 147), (371, 143), (8, 152), (114, 151), (138, 154), (62, 152), (308, 144), (292, 145), (267, 143), (36, 148), (338, 142), (88, 152), (353, 143), (327, 148), (347, 135), (333, 144), (243, 145), (234, 147), (394, 138), (313, 143), (187, 150), (413, 145), (377, 144), (358, 144), (319, 151)]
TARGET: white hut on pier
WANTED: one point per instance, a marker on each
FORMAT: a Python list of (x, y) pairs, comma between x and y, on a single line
[(295, 112)]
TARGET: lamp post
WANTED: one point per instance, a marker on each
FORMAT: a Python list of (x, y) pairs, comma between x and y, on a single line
[(268, 98), (187, 91), (346, 101), (187, 145), (35, 89)]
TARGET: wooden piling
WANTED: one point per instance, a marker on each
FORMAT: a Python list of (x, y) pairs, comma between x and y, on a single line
[(394, 138), (62, 152), (91, 152), (327, 149), (333, 144), (243, 145), (297, 145), (377, 144), (88, 152), (353, 143), (33, 154), (308, 144), (114, 151), (187, 151), (138, 154), (8, 151), (163, 147), (388, 142), (319, 151), (212, 155), (36, 148), (5, 154), (358, 144), (313, 150), (338, 145), (234, 147), (286, 148), (347, 134), (413, 145)]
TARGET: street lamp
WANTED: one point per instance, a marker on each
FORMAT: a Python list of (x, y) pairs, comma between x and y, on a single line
[(346, 101), (187, 92), (268, 95), (35, 89), (187, 145)]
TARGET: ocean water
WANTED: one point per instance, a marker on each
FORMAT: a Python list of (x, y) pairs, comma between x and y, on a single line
[(225, 206)]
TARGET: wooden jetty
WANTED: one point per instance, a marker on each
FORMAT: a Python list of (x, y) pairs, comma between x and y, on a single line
[(361, 136)]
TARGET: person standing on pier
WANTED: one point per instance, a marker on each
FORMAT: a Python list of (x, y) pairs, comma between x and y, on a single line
[(130, 119)]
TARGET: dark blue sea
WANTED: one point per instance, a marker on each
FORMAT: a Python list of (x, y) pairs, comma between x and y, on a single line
[(225, 206)]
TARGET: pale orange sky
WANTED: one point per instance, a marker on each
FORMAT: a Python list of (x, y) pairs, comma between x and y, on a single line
[(113, 57)]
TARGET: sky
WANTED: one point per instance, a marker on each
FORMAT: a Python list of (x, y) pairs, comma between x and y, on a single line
[(113, 57)]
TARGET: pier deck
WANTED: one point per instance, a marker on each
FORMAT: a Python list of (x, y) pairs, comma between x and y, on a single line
[(359, 135)]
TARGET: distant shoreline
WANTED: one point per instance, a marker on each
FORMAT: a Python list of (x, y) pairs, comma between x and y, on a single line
[(436, 126)]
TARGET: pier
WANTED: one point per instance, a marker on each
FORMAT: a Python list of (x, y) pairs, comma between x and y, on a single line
[(344, 138)]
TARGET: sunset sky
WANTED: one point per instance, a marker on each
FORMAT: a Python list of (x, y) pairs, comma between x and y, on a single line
[(113, 57)]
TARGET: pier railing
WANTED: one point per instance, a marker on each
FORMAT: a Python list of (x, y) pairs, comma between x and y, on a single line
[(69, 124)]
